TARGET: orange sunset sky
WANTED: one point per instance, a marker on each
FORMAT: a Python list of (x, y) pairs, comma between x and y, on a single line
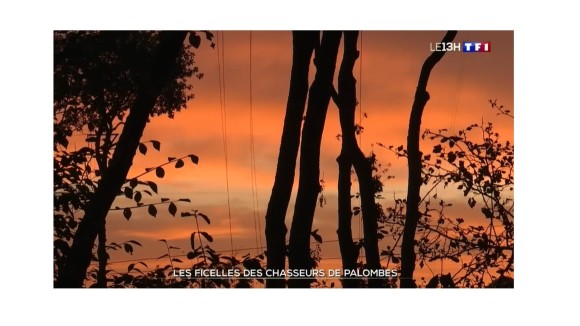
[(460, 87)]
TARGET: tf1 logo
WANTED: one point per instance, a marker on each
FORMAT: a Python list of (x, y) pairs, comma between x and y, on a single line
[(466, 47)]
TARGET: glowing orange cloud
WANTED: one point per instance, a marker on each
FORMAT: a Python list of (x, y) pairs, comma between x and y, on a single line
[(460, 86)]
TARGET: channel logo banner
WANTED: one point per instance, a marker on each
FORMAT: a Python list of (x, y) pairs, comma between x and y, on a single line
[(460, 47), (476, 46)]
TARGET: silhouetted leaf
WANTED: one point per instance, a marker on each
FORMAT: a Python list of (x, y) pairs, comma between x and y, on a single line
[(127, 213), (130, 267), (186, 214), (128, 248), (172, 209), (204, 217), (159, 172), (207, 236), (177, 260), (133, 183), (185, 200), (143, 149), (194, 40), (194, 159), (169, 159), (153, 186), (128, 192), (156, 144), (137, 196), (208, 35), (163, 240), (191, 255), (164, 199), (137, 243), (179, 164), (437, 149), (487, 212), (395, 260), (471, 202), (316, 236), (152, 210), (451, 157)]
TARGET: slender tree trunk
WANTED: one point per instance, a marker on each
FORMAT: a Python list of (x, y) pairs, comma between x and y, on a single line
[(79, 258), (414, 162), (309, 186), (303, 46), (346, 103), (351, 154), (370, 213)]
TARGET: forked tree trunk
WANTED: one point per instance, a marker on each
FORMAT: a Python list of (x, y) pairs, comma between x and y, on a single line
[(303, 46), (351, 154), (309, 186), (79, 258), (414, 158)]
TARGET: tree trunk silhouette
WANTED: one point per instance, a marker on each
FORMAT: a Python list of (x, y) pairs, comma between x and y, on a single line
[(346, 102), (351, 154), (370, 213), (414, 162), (79, 258), (303, 46), (308, 185)]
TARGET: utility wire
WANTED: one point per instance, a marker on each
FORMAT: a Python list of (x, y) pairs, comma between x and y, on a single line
[(222, 89)]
